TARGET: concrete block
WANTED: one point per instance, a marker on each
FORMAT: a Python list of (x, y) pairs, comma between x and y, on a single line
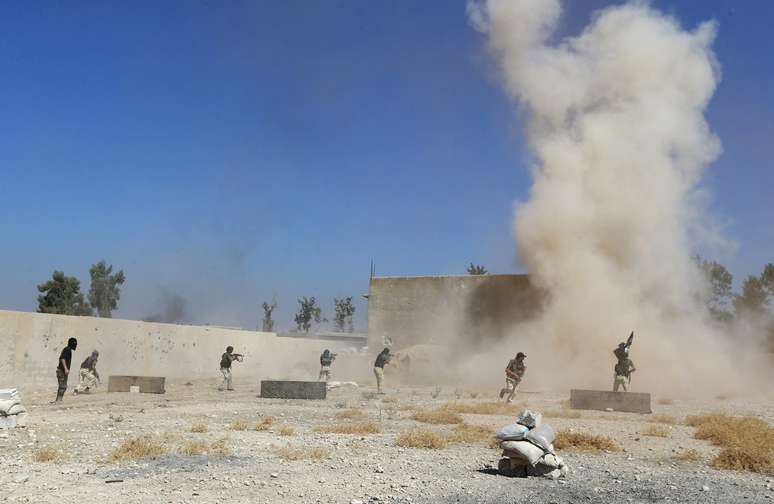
[(147, 384), (629, 402), (283, 389)]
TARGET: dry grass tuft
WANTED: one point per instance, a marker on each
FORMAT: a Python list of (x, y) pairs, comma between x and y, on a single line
[(238, 425), (688, 456), (138, 448), (666, 402), (655, 431), (48, 454), (563, 413), (485, 408), (664, 419), (421, 438), (438, 416), (194, 448), (464, 433), (220, 448), (311, 453), (286, 431), (350, 428), (200, 427), (351, 414), (747, 443), (265, 424), (584, 442)]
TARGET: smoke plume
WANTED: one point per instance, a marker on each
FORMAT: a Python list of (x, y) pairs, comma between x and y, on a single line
[(173, 309), (615, 120)]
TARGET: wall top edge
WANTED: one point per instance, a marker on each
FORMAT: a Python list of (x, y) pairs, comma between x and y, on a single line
[(126, 321)]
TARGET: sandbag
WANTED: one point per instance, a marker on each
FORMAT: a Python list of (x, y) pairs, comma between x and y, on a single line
[(529, 419), (8, 393), (545, 471), (551, 460), (512, 467), (16, 409), (524, 450), (513, 432), (7, 404), (541, 436)]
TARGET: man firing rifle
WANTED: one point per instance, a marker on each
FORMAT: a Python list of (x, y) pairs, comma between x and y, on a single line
[(225, 366)]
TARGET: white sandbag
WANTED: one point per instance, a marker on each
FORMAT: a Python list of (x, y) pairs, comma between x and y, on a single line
[(9, 422), (541, 436), (16, 409), (551, 460), (544, 471), (529, 418), (524, 450), (513, 432), (7, 404), (8, 393)]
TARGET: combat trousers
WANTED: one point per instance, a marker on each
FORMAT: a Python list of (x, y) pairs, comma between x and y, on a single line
[(325, 373), (87, 380), (61, 378), (511, 386), (379, 373), (226, 379), (621, 381)]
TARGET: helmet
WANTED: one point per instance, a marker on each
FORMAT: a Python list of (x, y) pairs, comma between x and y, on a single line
[(521, 355), (229, 349)]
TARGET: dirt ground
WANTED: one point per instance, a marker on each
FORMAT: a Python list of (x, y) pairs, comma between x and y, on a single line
[(349, 468)]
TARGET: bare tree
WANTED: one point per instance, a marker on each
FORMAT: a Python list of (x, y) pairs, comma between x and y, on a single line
[(476, 269), (268, 321)]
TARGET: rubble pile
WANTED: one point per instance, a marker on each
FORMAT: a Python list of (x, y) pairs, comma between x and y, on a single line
[(12, 413), (528, 448)]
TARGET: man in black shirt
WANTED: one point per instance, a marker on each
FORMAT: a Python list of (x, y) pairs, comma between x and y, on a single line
[(63, 367), (381, 359), (225, 367)]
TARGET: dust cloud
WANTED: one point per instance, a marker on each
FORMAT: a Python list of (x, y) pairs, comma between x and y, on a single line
[(615, 121)]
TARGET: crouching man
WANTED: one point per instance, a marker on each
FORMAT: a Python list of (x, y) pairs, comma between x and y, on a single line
[(89, 377), (514, 372)]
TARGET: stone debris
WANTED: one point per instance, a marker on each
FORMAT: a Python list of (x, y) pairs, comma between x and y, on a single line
[(534, 454), (12, 413), (338, 384)]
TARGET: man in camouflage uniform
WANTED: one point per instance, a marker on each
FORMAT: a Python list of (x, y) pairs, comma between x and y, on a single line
[(89, 377), (623, 374), (514, 372)]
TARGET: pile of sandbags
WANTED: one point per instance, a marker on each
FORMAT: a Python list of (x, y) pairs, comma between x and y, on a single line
[(12, 413), (528, 448)]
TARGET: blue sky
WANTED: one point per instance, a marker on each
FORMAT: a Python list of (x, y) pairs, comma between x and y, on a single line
[(233, 152)]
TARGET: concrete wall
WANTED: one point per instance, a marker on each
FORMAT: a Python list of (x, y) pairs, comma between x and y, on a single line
[(438, 309), (30, 344)]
